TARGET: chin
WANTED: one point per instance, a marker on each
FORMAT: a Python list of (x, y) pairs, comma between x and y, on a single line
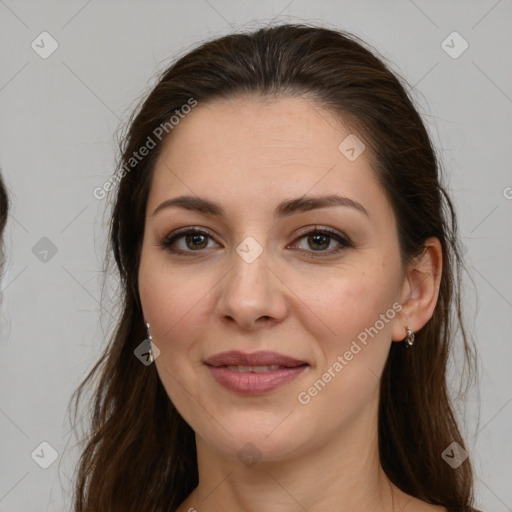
[(252, 442)]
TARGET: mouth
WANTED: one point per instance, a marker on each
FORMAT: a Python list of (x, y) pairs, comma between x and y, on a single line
[(262, 359), (253, 369), (256, 373)]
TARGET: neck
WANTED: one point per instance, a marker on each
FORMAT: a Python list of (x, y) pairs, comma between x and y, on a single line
[(341, 475)]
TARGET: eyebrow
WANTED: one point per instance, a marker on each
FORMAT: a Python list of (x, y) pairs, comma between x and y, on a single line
[(284, 209)]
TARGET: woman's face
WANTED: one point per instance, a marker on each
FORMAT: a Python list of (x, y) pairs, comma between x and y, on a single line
[(258, 277)]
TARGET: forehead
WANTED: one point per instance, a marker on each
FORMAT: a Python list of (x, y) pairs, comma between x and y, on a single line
[(241, 129), (261, 151)]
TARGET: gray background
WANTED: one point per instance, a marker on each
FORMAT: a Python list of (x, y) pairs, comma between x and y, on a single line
[(57, 125)]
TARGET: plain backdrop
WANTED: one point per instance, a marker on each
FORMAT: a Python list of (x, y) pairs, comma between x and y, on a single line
[(59, 115)]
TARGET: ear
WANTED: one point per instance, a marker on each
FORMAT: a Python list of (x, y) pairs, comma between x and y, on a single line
[(420, 289)]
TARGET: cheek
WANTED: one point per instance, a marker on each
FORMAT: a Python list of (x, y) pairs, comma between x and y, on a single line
[(177, 303), (171, 302), (172, 299), (352, 300), (359, 310)]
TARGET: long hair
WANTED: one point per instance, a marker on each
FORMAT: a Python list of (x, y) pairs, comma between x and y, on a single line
[(140, 454)]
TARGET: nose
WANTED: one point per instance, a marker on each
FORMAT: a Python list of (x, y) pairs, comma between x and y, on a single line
[(253, 295)]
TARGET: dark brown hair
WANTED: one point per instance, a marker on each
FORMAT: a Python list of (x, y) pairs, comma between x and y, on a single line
[(140, 454), (4, 211)]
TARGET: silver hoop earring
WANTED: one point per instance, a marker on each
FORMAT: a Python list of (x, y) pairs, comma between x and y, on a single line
[(409, 339)]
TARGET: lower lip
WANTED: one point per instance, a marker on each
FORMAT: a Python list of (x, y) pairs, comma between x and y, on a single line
[(251, 383)]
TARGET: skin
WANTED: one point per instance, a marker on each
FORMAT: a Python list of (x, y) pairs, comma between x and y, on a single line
[(248, 155)]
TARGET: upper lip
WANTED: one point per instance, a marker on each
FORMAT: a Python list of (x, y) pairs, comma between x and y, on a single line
[(262, 358)]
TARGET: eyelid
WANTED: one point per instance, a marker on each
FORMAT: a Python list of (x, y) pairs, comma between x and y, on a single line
[(171, 238), (322, 229), (343, 240)]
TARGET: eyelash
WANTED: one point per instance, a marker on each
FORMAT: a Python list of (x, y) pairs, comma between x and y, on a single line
[(344, 242)]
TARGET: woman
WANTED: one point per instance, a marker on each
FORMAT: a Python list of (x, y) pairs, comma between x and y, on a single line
[(289, 275)]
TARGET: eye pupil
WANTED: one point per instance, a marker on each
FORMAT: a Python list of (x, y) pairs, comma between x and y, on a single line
[(318, 237), (194, 238)]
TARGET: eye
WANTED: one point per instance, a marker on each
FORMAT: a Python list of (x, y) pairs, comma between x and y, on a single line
[(194, 241), (320, 239)]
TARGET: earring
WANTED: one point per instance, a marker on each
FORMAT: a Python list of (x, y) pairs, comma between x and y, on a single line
[(150, 355), (409, 339)]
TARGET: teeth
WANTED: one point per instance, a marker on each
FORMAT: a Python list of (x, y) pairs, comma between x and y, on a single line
[(258, 369), (255, 369)]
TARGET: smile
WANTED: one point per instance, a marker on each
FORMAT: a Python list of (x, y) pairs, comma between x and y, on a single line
[(254, 380)]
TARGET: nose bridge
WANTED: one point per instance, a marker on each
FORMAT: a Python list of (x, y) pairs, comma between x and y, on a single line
[(250, 270), (251, 290)]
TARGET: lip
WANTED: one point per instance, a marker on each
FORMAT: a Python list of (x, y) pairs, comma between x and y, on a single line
[(254, 383), (262, 358)]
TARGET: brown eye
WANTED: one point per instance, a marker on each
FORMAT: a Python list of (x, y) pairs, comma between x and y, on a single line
[(319, 240), (194, 241)]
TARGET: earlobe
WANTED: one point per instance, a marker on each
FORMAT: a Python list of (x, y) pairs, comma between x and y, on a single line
[(420, 290)]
